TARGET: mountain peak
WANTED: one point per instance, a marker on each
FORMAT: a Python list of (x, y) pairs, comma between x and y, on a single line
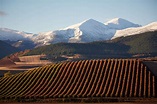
[(120, 23), (86, 23), (91, 24), (117, 20), (89, 21)]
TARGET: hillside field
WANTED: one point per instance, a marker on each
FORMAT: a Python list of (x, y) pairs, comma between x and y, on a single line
[(106, 80)]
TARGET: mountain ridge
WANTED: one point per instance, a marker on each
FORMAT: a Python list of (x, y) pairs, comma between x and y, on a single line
[(134, 31), (14, 35), (119, 24), (87, 31)]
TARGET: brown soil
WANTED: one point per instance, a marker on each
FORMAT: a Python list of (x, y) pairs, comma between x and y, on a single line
[(6, 62), (9, 60)]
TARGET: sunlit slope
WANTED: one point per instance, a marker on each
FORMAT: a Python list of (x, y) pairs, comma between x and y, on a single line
[(87, 78)]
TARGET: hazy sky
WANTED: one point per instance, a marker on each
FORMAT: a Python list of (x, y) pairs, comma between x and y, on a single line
[(45, 15)]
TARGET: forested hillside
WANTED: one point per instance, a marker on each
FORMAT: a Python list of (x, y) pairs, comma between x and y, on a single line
[(140, 43)]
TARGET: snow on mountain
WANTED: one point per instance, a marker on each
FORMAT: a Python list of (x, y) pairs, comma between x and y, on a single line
[(135, 30), (119, 24), (46, 38), (14, 35), (86, 31), (89, 30)]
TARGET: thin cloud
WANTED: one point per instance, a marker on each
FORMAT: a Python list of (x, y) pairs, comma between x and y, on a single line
[(2, 13)]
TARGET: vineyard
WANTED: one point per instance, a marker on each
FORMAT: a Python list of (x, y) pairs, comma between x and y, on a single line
[(82, 79)]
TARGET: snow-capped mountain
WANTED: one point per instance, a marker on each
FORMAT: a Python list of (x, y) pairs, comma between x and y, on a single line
[(20, 40), (135, 31), (89, 30), (86, 31), (14, 35), (119, 24)]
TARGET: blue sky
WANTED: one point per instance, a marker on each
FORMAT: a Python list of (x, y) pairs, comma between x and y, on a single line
[(45, 15)]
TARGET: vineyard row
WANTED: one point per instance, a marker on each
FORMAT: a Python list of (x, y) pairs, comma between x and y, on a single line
[(87, 78)]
